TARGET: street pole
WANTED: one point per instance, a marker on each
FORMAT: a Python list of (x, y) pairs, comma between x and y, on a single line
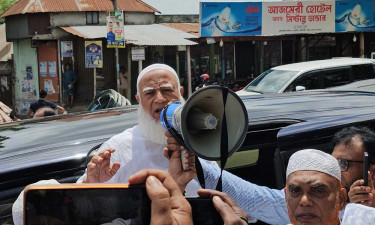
[(116, 54), (189, 70)]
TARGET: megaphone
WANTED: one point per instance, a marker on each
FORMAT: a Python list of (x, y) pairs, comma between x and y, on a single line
[(200, 121)]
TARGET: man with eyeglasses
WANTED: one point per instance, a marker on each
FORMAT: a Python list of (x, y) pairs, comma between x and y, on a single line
[(350, 145), (269, 205)]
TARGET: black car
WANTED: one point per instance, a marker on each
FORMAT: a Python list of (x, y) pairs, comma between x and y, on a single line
[(57, 147)]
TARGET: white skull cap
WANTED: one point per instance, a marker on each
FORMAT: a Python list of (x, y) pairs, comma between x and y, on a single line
[(314, 160), (155, 67)]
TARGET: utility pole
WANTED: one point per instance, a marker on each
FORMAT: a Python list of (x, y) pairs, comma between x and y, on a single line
[(116, 54)]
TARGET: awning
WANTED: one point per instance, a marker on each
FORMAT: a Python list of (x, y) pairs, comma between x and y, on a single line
[(149, 35)]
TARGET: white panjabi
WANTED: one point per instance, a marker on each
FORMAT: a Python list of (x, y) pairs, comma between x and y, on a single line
[(156, 66), (314, 160)]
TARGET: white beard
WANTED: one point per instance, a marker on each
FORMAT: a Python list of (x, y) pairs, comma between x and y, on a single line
[(151, 129)]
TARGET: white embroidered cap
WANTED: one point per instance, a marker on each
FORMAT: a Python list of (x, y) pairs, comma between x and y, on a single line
[(314, 160), (155, 67)]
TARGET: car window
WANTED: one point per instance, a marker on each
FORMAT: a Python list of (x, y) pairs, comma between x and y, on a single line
[(271, 81), (310, 81), (363, 72), (336, 77)]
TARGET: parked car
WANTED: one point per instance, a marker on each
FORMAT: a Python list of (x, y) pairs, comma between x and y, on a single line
[(311, 75), (57, 147)]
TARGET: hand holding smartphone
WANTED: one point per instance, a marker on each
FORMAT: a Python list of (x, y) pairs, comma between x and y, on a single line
[(365, 169)]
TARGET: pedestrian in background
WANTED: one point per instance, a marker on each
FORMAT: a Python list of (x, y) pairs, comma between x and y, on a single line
[(70, 79)]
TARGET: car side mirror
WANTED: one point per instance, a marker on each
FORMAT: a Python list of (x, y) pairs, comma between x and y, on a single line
[(300, 88)]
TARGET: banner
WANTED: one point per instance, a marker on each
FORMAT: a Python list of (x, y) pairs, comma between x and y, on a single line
[(355, 16), (296, 17), (93, 54), (230, 19), (115, 30), (66, 49)]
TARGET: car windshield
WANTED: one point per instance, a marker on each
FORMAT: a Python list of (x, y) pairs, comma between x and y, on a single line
[(271, 81)]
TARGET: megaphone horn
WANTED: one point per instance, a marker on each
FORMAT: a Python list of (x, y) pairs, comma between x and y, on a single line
[(197, 124)]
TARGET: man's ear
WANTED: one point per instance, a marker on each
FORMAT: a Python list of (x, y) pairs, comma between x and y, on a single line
[(137, 98), (342, 197), (182, 90)]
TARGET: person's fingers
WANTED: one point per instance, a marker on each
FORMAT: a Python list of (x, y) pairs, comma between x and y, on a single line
[(160, 201), (370, 182), (96, 159), (226, 212), (359, 190), (168, 134), (167, 180), (167, 154), (359, 198), (175, 147), (113, 170)]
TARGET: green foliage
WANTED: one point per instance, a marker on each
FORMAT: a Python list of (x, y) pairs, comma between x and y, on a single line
[(4, 5)]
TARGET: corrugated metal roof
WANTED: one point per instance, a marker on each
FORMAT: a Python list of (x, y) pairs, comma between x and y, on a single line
[(153, 34), (6, 48), (40, 6), (191, 28)]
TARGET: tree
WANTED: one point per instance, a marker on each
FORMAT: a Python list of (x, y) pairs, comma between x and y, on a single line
[(4, 5)]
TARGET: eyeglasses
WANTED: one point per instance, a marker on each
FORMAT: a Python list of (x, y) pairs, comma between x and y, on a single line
[(344, 164)]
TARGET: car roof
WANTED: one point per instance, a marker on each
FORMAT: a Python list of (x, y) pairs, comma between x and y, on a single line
[(322, 64)]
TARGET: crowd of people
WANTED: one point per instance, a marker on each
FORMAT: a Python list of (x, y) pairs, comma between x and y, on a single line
[(318, 187)]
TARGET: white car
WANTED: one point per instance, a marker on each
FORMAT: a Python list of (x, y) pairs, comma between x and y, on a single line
[(311, 75)]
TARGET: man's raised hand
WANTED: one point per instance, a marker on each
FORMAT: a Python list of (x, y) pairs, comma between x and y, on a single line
[(99, 169)]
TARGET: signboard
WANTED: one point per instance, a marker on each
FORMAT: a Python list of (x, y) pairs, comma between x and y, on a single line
[(115, 30), (230, 19), (355, 16), (295, 17), (93, 54), (52, 68), (138, 53), (66, 49)]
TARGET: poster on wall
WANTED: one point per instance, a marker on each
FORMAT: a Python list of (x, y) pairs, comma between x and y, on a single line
[(22, 106), (355, 16), (27, 86), (48, 86), (66, 49), (298, 17), (29, 72), (115, 30), (93, 54), (230, 19), (43, 69), (52, 68), (4, 83)]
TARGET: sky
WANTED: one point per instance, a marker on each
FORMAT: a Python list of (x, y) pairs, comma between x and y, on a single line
[(179, 7)]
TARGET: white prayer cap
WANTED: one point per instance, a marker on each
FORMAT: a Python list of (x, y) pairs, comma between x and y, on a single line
[(314, 160), (155, 67)]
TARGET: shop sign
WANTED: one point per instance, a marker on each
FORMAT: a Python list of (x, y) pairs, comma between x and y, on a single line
[(296, 17), (355, 16), (138, 53), (230, 19), (115, 30), (93, 54)]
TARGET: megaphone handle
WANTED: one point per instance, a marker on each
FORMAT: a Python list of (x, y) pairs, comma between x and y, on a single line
[(183, 160)]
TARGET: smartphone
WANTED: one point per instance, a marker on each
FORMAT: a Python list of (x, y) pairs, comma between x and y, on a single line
[(365, 168), (78, 204), (204, 211)]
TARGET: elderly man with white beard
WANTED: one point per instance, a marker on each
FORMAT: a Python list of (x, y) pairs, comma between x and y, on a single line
[(140, 147)]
